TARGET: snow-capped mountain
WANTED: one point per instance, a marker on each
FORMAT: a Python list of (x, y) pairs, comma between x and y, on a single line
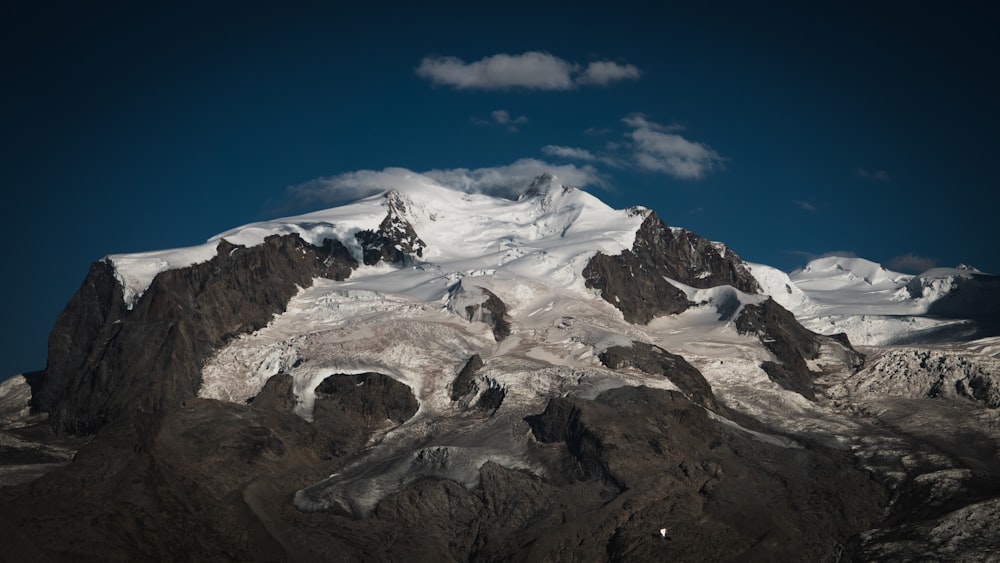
[(876, 306), (547, 233), (429, 374)]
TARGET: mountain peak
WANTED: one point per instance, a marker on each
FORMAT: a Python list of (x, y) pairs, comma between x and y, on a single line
[(847, 269), (543, 184)]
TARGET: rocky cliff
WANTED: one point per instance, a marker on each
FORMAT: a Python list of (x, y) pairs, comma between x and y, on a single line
[(635, 281), (106, 361)]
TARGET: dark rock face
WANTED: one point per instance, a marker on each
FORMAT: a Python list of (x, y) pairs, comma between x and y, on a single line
[(463, 383), (206, 481), (720, 494), (657, 361), (106, 361), (278, 394), (395, 241), (788, 340), (371, 398), (491, 398), (350, 406), (792, 344), (633, 281), (493, 312)]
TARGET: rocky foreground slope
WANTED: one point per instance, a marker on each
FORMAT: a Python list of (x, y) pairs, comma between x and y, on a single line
[(433, 376)]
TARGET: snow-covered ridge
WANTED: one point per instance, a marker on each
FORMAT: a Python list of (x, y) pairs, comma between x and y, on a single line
[(548, 232), (876, 306), (834, 271)]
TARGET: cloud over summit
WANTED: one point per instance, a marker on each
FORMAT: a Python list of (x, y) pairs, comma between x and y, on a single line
[(658, 148), (504, 181), (533, 70)]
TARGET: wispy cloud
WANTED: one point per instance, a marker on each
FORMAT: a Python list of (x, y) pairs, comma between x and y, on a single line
[(575, 153), (602, 73), (911, 263), (595, 131), (511, 179), (503, 118), (505, 181), (837, 254), (809, 256), (658, 148), (639, 121), (531, 70), (569, 152), (805, 205), (877, 175)]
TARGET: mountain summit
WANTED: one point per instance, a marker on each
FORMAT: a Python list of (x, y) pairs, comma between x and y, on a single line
[(430, 374)]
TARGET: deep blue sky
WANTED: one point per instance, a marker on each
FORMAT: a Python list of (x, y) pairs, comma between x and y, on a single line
[(837, 126)]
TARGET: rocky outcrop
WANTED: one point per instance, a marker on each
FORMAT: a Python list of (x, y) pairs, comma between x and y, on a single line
[(478, 304), (932, 373), (368, 399), (106, 361), (492, 396), (395, 241), (652, 359), (349, 407), (492, 311), (205, 481), (790, 342), (635, 281), (464, 381), (490, 392), (278, 394), (792, 345), (720, 493)]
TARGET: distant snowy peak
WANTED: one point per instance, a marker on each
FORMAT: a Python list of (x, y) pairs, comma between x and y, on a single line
[(877, 306), (833, 269), (780, 287)]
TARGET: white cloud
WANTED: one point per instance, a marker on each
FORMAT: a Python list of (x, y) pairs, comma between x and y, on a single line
[(837, 254), (531, 70), (805, 205), (569, 152), (911, 263), (809, 256), (597, 131), (878, 175), (503, 117), (658, 149), (352, 185), (639, 121), (510, 180), (504, 181), (603, 72), (576, 153)]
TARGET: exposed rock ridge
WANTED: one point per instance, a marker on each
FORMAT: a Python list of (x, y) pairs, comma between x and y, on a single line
[(654, 360), (791, 343), (721, 494), (635, 281), (395, 241), (464, 381), (105, 361)]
